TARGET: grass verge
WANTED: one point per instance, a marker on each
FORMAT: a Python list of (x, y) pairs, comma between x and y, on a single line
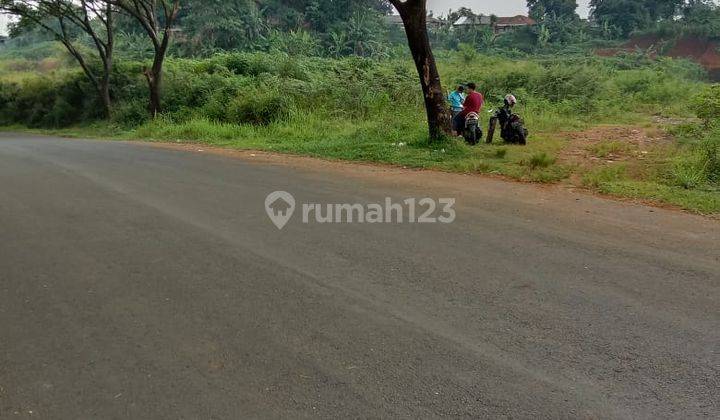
[(640, 178)]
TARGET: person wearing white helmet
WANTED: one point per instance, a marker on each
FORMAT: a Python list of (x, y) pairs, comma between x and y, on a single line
[(506, 111), (510, 100), (511, 126)]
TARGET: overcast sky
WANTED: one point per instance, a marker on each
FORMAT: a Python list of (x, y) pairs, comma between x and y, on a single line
[(489, 7), (3, 23)]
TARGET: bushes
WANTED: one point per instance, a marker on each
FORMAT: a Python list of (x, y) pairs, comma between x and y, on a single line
[(130, 113), (707, 105), (563, 82), (258, 107), (539, 160), (698, 164), (46, 102), (261, 88), (710, 150)]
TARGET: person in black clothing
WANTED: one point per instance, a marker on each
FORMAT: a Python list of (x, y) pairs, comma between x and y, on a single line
[(506, 111), (511, 129)]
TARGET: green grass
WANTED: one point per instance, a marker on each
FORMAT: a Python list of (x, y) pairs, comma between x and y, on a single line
[(699, 201), (405, 146), (599, 177), (607, 148)]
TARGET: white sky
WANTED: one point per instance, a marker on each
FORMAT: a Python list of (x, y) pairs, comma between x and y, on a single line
[(3, 25), (488, 7)]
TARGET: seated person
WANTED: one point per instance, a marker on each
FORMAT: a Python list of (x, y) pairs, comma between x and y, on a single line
[(456, 99), (473, 103)]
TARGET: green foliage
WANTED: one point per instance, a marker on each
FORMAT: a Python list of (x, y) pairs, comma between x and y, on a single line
[(546, 9), (607, 148), (365, 109), (698, 166), (260, 107), (563, 82), (688, 175), (712, 159), (540, 160), (707, 104), (604, 175), (37, 102), (468, 53), (554, 95), (131, 113), (666, 18), (295, 42), (214, 25)]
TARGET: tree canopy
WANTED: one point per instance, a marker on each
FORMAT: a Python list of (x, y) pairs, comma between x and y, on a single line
[(627, 16), (541, 10)]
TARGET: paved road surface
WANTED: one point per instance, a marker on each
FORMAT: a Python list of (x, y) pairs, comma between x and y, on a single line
[(144, 282)]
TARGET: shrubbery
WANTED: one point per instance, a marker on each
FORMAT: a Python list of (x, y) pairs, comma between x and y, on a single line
[(40, 102), (707, 105), (700, 165), (263, 88)]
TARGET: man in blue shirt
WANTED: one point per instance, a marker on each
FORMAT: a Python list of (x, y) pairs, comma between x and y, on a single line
[(456, 99)]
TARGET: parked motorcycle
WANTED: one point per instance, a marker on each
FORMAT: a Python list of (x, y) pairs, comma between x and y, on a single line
[(473, 131), (512, 128)]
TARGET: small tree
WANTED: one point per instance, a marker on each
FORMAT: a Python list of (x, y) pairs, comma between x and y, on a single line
[(157, 18), (93, 17), (414, 16)]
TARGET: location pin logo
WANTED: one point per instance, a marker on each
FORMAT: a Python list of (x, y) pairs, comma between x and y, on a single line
[(280, 206)]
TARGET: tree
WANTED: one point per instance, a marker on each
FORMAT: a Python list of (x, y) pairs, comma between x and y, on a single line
[(157, 18), (625, 15), (93, 17), (322, 15), (630, 15), (540, 10), (663, 9), (212, 25), (414, 16)]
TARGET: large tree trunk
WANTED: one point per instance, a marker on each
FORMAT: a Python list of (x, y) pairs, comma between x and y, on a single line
[(154, 79), (108, 59), (105, 96), (414, 16), (154, 75), (106, 81)]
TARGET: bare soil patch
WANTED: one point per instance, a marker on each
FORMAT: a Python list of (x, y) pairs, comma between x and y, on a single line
[(611, 144)]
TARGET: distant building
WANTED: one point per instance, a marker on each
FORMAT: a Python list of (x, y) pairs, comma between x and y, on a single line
[(499, 24), (3, 38), (505, 24), (393, 20), (466, 21), (433, 22)]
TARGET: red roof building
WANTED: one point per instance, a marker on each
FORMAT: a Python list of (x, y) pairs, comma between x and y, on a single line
[(504, 24)]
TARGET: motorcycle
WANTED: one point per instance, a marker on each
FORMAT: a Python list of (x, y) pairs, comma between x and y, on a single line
[(512, 128), (473, 132)]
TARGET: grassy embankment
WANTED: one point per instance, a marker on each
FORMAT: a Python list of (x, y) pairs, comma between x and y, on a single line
[(364, 110)]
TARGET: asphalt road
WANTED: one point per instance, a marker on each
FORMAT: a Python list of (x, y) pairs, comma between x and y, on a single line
[(145, 282)]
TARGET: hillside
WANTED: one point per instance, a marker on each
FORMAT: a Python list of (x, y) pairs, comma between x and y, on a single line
[(703, 51)]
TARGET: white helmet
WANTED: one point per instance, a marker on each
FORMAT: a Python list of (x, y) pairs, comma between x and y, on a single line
[(510, 99)]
